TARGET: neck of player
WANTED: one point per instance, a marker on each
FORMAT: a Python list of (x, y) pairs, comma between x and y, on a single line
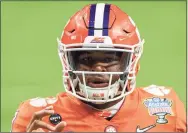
[(104, 105)]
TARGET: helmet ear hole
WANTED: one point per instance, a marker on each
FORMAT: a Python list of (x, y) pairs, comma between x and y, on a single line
[(71, 31), (127, 32)]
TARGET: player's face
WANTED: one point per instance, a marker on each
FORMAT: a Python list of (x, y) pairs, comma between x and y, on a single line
[(99, 61)]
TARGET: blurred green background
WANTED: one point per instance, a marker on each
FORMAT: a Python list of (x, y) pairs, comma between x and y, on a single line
[(30, 65)]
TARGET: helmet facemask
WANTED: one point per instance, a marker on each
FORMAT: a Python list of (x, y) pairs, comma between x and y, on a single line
[(85, 81)]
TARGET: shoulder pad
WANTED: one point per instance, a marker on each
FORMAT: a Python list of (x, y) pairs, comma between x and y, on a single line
[(157, 90)]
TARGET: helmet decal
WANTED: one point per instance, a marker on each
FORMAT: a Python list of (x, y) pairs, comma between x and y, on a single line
[(99, 19)]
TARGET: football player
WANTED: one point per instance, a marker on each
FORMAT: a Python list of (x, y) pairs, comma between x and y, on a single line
[(100, 48)]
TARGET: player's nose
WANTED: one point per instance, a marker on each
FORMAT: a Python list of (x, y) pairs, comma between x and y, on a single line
[(98, 68)]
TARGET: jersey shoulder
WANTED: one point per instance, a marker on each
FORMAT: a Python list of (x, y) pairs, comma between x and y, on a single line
[(161, 96), (27, 108), (37, 103), (157, 98), (32, 105), (157, 91)]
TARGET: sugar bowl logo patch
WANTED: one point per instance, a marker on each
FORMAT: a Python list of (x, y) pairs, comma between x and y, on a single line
[(159, 107)]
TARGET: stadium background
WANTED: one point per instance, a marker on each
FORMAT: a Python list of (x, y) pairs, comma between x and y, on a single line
[(30, 65)]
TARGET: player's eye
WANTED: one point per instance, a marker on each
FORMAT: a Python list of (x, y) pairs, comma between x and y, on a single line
[(85, 60), (109, 60)]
